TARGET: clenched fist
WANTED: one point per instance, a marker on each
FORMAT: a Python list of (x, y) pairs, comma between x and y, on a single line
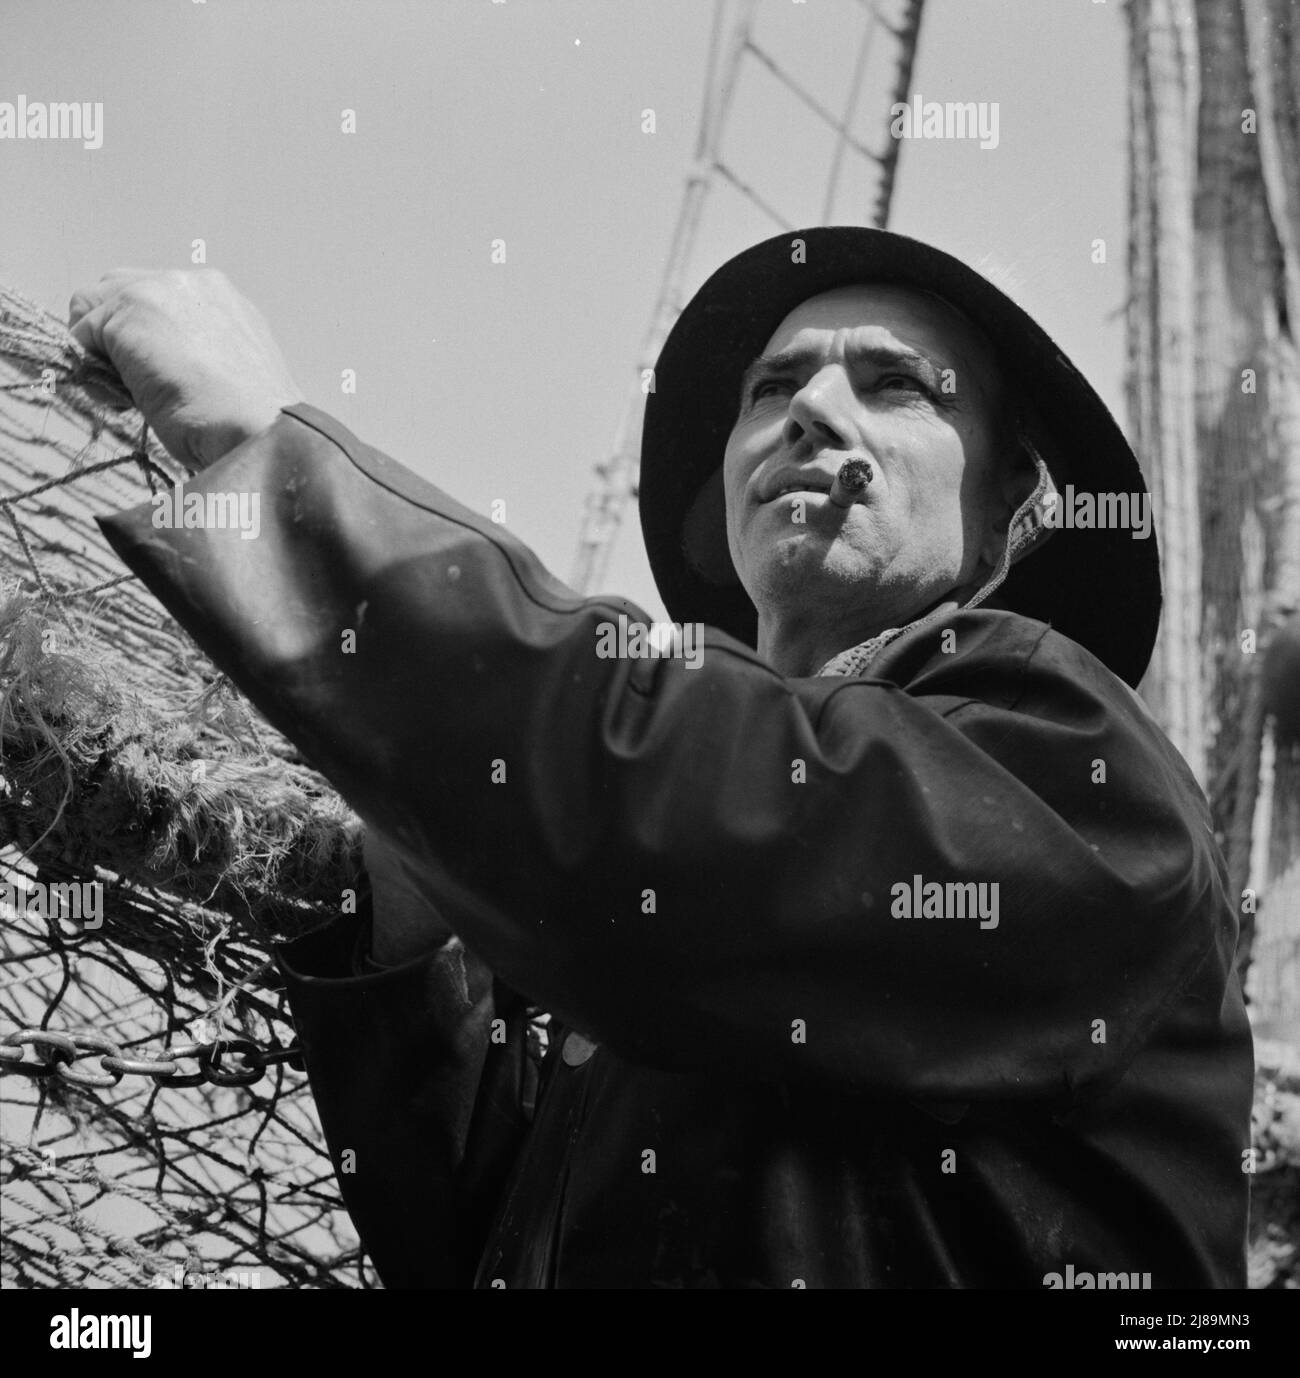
[(197, 357)]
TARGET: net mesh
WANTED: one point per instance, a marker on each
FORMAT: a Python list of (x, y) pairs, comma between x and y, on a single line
[(155, 837)]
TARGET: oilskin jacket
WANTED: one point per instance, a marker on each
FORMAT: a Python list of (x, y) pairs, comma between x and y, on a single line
[(921, 979)]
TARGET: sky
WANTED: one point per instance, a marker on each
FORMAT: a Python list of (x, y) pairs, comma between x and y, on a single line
[(523, 121)]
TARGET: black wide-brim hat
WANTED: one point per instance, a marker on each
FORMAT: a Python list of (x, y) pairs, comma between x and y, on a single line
[(1101, 587)]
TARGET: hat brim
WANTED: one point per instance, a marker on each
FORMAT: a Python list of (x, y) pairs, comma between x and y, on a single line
[(1098, 586)]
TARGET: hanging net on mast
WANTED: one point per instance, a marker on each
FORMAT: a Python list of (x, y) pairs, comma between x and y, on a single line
[(155, 836)]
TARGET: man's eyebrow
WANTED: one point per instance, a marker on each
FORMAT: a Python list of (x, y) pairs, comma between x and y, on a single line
[(773, 366), (788, 361)]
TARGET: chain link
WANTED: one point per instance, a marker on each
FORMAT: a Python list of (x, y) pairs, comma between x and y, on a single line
[(57, 1053)]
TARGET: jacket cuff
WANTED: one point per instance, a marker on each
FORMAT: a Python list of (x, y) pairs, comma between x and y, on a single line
[(339, 953)]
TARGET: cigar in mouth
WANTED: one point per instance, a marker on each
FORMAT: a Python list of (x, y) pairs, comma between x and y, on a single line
[(852, 478)]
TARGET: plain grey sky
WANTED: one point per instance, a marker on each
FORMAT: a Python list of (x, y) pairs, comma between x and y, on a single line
[(522, 121)]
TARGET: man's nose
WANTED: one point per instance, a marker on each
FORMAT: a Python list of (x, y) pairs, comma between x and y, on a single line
[(819, 410)]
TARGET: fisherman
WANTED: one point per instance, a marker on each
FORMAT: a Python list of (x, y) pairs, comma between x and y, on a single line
[(762, 1071)]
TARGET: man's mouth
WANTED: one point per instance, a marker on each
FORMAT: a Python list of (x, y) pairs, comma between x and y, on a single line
[(790, 488), (809, 481), (790, 484)]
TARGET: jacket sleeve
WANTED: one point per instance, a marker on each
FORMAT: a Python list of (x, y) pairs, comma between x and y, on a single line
[(703, 865), (421, 1108)]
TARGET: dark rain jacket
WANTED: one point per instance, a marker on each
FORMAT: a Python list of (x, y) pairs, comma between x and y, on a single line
[(767, 1068)]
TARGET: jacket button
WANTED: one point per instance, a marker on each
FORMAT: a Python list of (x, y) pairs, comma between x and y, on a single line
[(576, 1049)]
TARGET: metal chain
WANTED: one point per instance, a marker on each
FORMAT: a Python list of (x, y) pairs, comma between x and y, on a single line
[(55, 1054)]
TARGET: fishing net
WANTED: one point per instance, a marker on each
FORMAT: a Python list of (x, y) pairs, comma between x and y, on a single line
[(156, 836)]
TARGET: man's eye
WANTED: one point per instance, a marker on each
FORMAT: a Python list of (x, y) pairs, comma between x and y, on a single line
[(760, 389), (892, 380)]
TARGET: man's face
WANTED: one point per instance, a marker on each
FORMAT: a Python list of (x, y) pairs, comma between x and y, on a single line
[(894, 376)]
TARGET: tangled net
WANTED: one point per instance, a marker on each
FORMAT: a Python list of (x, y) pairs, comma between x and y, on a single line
[(155, 1125)]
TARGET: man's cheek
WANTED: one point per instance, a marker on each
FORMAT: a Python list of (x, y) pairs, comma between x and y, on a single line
[(739, 530)]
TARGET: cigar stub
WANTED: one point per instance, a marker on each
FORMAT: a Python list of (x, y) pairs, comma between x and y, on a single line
[(852, 478)]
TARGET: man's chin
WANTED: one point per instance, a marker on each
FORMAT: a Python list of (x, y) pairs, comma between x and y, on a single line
[(808, 563)]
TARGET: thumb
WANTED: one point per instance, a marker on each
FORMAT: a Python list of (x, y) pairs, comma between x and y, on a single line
[(85, 299), (87, 326), (98, 374)]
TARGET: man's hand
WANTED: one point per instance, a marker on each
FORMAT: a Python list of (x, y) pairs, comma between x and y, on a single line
[(196, 356)]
